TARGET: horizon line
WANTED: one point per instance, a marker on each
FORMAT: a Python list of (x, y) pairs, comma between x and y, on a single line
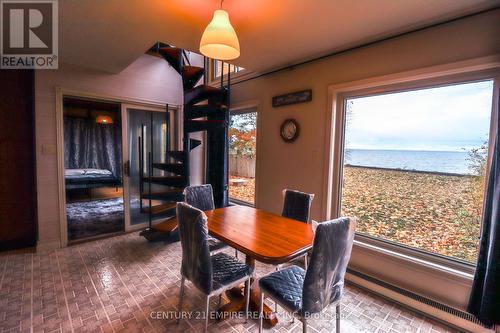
[(464, 150)]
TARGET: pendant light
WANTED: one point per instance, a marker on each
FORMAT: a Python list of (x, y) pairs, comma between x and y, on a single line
[(219, 40)]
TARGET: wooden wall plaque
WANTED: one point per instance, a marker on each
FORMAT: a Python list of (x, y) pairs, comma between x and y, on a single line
[(293, 98)]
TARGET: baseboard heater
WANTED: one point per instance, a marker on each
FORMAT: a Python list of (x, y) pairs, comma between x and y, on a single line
[(419, 298)]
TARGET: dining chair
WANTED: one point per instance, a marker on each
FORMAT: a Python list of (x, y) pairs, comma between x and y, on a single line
[(297, 206), (305, 292), (202, 197), (211, 274)]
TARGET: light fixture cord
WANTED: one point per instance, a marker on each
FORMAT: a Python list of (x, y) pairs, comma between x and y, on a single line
[(221, 1)]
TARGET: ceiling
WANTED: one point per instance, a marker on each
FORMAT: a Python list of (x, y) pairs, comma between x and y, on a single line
[(109, 35)]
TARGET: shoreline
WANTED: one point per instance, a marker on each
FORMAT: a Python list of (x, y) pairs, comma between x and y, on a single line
[(437, 173)]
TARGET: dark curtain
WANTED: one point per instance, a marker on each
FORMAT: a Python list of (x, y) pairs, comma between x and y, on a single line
[(484, 300), (91, 145)]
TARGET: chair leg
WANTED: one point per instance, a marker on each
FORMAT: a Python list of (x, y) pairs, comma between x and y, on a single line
[(236, 253), (337, 316), (305, 262), (247, 305), (304, 325), (181, 298), (261, 310), (207, 314), (276, 303)]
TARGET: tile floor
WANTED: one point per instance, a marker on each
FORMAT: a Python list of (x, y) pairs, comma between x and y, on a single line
[(122, 284)]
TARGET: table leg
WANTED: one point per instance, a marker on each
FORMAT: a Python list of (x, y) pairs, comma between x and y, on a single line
[(237, 300)]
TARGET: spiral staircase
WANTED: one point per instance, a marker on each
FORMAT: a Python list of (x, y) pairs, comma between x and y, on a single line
[(206, 109)]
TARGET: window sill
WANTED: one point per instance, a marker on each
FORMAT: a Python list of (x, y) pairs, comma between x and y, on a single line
[(456, 269), (237, 202)]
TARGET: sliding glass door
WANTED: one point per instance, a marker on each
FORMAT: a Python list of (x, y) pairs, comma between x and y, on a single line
[(150, 132)]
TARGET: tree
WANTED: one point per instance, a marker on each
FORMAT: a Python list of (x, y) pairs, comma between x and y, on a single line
[(243, 134), (477, 159), (349, 113)]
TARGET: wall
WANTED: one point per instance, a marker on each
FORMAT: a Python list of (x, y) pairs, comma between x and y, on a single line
[(300, 165), (148, 78)]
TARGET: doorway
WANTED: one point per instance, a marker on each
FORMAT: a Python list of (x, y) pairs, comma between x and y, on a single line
[(242, 156), (105, 111), (93, 170)]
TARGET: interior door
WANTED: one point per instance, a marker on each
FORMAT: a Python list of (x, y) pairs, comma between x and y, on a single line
[(18, 208)]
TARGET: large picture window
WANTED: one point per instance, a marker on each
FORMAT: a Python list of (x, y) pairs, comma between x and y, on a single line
[(415, 165)]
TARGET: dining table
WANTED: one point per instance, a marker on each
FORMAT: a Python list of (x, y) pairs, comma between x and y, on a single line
[(261, 236)]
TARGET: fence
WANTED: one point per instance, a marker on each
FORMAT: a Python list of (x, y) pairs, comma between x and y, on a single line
[(241, 166)]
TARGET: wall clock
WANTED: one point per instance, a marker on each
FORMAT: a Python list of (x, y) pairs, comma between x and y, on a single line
[(289, 130)]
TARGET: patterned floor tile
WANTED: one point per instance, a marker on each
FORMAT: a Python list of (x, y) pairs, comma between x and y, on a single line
[(125, 284)]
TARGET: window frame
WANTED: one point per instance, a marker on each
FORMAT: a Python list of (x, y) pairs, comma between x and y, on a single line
[(235, 77), (214, 62), (436, 76)]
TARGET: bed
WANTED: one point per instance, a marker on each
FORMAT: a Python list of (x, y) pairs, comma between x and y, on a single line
[(93, 218), (89, 178)]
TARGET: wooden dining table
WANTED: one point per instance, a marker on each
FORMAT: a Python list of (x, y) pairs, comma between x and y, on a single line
[(261, 236)]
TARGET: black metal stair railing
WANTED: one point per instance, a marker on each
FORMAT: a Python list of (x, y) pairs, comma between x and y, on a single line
[(206, 108)]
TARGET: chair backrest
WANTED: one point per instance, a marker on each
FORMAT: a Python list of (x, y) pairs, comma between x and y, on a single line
[(324, 280), (297, 205), (193, 233), (200, 196)]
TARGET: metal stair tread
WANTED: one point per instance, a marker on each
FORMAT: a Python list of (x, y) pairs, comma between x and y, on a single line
[(204, 110), (178, 155), (159, 209), (173, 181), (166, 225), (173, 56), (176, 168), (200, 93), (165, 194), (203, 125), (191, 75)]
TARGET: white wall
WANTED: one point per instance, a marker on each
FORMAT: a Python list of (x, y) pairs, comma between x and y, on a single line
[(148, 78), (300, 165)]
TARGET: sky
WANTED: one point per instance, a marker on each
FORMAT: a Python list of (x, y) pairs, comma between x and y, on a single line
[(450, 118)]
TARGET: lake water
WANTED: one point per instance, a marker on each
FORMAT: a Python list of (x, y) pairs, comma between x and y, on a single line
[(436, 161)]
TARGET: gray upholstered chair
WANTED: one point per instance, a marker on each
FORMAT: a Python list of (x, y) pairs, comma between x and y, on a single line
[(211, 274), (307, 292), (202, 197), (297, 206)]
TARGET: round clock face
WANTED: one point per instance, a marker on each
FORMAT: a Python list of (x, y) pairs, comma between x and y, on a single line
[(289, 130)]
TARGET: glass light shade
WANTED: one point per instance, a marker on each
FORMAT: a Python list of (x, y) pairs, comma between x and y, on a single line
[(219, 40), (104, 120)]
